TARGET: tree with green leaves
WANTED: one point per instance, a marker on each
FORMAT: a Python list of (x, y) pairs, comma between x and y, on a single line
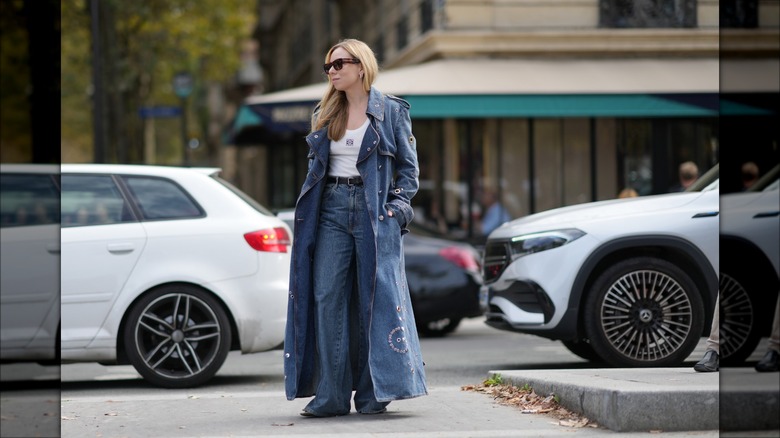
[(144, 44)]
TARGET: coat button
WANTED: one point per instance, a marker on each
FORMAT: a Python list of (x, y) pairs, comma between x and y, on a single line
[(316, 136), (287, 355), (381, 217), (369, 149)]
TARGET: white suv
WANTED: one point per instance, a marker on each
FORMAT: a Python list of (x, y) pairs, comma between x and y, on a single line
[(628, 281)]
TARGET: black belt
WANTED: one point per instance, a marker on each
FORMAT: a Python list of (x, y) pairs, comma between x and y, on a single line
[(348, 180)]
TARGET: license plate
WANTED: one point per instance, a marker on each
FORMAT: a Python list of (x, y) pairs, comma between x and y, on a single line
[(484, 297)]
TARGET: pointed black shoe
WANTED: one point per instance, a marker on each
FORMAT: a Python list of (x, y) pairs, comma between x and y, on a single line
[(770, 362), (708, 363)]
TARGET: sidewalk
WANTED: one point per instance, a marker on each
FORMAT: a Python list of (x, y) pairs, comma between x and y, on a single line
[(665, 399), (445, 412)]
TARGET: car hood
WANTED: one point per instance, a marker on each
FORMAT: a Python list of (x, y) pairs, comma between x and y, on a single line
[(566, 217)]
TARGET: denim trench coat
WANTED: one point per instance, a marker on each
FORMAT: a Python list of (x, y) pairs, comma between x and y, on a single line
[(387, 163)]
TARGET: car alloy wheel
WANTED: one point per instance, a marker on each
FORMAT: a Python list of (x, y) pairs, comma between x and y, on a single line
[(177, 336), (644, 311), (739, 332)]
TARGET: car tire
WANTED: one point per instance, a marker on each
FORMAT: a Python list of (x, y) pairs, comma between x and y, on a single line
[(583, 349), (740, 331), (644, 312), (177, 336), (438, 328)]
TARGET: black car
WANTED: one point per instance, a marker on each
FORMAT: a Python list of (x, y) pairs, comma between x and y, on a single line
[(443, 276)]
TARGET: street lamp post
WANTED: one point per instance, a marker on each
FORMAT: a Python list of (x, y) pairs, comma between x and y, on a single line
[(99, 133), (182, 86)]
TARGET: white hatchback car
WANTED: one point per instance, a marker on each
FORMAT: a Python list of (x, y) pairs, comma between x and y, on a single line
[(167, 269), (628, 281)]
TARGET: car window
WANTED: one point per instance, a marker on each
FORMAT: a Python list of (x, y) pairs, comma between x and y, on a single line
[(160, 198), (29, 199), (92, 200)]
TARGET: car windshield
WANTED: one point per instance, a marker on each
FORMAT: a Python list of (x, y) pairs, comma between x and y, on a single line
[(248, 199)]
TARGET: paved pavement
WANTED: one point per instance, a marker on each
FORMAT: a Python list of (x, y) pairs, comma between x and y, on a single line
[(445, 412), (675, 402)]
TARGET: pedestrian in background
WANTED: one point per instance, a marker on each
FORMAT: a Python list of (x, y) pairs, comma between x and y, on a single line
[(687, 174), (628, 192), (495, 213), (349, 322), (749, 171)]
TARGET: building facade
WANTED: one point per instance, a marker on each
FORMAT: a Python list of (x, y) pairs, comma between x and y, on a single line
[(539, 104)]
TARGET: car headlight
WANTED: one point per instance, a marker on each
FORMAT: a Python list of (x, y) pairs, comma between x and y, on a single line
[(537, 242)]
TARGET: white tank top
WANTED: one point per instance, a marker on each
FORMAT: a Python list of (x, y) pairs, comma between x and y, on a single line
[(344, 152)]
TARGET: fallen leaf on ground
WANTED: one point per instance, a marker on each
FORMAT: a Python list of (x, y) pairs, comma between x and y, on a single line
[(531, 403)]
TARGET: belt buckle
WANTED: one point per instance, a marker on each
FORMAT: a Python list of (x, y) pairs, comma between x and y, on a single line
[(349, 181)]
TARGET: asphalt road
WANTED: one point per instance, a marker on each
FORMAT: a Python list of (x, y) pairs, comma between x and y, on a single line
[(101, 400)]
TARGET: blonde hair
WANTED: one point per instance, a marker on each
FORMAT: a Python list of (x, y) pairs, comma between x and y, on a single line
[(332, 109)]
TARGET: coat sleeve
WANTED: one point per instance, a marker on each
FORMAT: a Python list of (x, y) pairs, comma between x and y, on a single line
[(407, 170)]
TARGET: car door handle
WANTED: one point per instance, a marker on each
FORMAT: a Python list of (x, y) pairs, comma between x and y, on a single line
[(119, 248), (705, 214), (53, 249), (766, 214)]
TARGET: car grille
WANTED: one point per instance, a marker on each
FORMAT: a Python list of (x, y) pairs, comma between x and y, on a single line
[(497, 258)]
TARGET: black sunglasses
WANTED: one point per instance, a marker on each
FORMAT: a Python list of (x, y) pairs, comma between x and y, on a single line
[(338, 64)]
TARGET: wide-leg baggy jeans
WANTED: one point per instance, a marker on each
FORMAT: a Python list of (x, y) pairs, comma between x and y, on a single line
[(343, 224)]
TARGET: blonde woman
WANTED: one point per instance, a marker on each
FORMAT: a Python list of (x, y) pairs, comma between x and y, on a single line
[(349, 322)]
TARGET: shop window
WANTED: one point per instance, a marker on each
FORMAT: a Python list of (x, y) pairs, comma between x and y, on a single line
[(426, 15), (379, 49), (647, 13), (401, 33), (635, 162), (507, 169), (606, 174), (562, 176), (739, 13)]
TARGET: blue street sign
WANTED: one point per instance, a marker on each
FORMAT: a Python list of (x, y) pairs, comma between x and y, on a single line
[(183, 84), (159, 111)]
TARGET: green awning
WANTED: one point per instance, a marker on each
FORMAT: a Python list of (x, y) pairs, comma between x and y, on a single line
[(246, 117), (538, 105), (730, 108)]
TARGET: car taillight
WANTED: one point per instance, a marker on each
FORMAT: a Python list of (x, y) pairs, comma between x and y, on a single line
[(460, 257), (269, 240)]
